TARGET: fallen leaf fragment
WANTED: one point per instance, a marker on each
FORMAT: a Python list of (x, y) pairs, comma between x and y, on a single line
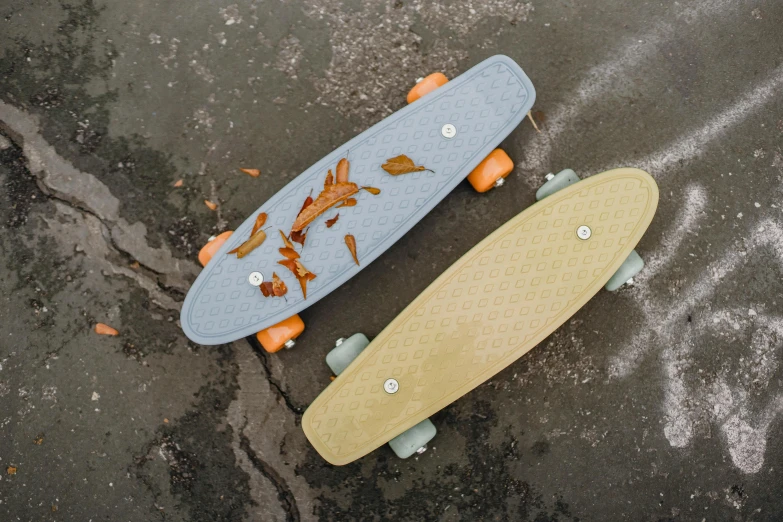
[(330, 222), (302, 274), (342, 170), (165, 420), (351, 242), (178, 183), (252, 172), (135, 265), (278, 286), (105, 329), (331, 195), (260, 220), (308, 201), (287, 243), (210, 205), (11, 470), (289, 253), (530, 116), (299, 236), (372, 190), (251, 244), (38, 440), (350, 202), (401, 164), (329, 179)]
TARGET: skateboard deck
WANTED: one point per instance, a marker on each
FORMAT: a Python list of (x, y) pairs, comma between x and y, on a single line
[(483, 104), (488, 309)]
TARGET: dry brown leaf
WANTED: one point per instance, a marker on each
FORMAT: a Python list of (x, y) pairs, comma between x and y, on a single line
[(210, 205), (251, 172), (260, 220), (302, 274), (38, 440), (135, 265), (307, 202), (342, 170), (251, 244), (11, 470), (330, 222), (329, 179), (178, 183), (331, 195), (401, 164), (266, 288), (289, 253), (372, 190), (299, 236), (301, 271), (350, 202), (278, 286), (105, 329), (286, 241), (351, 242)]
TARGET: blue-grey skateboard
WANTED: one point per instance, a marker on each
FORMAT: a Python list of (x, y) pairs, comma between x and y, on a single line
[(449, 132)]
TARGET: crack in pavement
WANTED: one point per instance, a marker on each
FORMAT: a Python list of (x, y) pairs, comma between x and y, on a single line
[(283, 492), (61, 182), (261, 354), (268, 444)]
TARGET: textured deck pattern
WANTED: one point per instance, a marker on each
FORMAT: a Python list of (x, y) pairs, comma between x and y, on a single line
[(485, 104), (491, 307)]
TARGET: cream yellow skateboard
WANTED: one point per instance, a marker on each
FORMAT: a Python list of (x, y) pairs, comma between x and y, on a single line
[(488, 309)]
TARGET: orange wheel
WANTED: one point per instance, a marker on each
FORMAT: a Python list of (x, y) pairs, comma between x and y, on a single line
[(489, 172), (427, 85), (208, 250), (281, 335)]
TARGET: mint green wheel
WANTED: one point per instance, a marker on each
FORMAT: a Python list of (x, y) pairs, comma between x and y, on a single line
[(414, 439), (345, 351), (557, 182), (630, 267)]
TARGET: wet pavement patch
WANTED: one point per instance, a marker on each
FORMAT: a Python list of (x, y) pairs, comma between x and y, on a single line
[(203, 474)]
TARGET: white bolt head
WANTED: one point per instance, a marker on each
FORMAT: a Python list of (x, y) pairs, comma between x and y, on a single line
[(448, 131), (584, 232), (255, 278), (391, 386)]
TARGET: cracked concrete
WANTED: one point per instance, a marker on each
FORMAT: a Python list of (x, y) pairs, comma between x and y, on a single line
[(58, 178), (663, 401)]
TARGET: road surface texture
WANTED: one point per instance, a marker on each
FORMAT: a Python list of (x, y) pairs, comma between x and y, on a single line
[(663, 401)]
